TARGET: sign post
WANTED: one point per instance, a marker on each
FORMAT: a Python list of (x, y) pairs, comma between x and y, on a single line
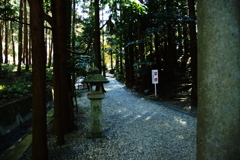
[(155, 79)]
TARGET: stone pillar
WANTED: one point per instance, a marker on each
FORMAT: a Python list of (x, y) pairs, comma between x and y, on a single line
[(96, 115), (218, 126)]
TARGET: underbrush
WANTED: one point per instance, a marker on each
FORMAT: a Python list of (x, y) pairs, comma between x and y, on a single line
[(13, 87)]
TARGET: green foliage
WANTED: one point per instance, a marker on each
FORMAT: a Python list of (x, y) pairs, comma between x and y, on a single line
[(118, 76), (49, 76), (47, 6), (80, 63), (22, 86), (17, 90), (143, 68), (27, 76), (5, 69), (8, 10)]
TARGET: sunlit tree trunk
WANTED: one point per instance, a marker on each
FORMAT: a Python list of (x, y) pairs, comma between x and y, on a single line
[(50, 47), (30, 51), (39, 139)]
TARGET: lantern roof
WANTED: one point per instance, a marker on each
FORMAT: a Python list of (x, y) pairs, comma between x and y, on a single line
[(95, 78)]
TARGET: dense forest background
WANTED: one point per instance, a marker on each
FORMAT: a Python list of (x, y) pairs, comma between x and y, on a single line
[(128, 38)]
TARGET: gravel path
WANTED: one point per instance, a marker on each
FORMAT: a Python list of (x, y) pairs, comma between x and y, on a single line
[(135, 128)]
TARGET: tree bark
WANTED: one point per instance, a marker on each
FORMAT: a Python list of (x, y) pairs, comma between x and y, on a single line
[(26, 53), (193, 49), (141, 51), (57, 123), (97, 51), (19, 70), (157, 52), (131, 67), (6, 42), (13, 45), (170, 45), (50, 46), (218, 80), (39, 139), (73, 24), (63, 117), (127, 68), (1, 46)]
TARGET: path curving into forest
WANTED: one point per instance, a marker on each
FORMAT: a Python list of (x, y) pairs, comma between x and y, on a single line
[(135, 128)]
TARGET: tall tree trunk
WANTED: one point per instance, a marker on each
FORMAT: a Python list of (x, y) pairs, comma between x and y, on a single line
[(218, 80), (121, 42), (157, 52), (13, 45), (50, 46), (97, 51), (26, 36), (63, 117), (140, 44), (127, 67), (158, 64), (30, 51), (121, 61), (19, 70), (69, 114), (141, 51), (117, 63), (1, 46), (180, 46), (39, 139), (103, 51), (193, 49), (169, 53), (57, 124), (6, 42), (131, 67), (111, 59), (73, 24), (185, 42), (170, 43)]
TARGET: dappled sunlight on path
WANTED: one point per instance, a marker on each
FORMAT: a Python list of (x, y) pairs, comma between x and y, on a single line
[(161, 129), (135, 128)]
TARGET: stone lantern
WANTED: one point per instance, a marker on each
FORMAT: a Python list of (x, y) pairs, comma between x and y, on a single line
[(95, 83)]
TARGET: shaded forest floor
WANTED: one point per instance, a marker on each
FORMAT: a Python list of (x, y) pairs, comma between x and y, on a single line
[(14, 87), (176, 94)]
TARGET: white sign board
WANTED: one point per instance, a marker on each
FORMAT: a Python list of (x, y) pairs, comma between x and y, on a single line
[(155, 76)]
